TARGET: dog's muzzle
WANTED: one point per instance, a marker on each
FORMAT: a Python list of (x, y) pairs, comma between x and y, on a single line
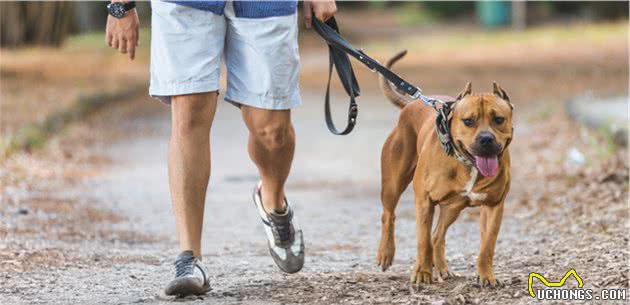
[(486, 145)]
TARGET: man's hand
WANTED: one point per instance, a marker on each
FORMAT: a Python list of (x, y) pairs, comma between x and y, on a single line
[(123, 33), (322, 9)]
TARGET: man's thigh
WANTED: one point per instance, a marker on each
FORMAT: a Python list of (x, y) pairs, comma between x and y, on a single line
[(262, 61), (186, 49)]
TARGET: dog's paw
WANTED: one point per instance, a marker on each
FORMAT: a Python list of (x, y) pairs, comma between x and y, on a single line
[(384, 260), (488, 281), (385, 256), (421, 275), (441, 276)]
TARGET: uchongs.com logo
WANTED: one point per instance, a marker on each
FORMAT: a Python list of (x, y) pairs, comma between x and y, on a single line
[(557, 291)]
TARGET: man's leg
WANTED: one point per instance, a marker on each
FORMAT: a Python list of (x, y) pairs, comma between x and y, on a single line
[(262, 63), (189, 164), (271, 147)]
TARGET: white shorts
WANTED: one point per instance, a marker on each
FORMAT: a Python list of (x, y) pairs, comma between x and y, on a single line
[(261, 56)]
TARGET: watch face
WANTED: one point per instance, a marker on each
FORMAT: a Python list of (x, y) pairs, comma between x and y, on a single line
[(117, 9)]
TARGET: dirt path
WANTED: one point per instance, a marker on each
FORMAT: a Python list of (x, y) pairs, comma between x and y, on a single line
[(118, 246)]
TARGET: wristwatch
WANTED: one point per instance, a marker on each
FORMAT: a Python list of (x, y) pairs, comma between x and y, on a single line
[(120, 9)]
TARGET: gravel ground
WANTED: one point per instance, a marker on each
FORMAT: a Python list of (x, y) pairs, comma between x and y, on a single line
[(88, 220)]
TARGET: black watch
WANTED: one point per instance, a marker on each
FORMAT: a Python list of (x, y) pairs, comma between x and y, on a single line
[(120, 9)]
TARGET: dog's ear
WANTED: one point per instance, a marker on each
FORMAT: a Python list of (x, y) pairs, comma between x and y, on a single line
[(467, 90), (498, 91)]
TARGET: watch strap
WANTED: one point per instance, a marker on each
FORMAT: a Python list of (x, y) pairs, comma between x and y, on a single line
[(130, 5)]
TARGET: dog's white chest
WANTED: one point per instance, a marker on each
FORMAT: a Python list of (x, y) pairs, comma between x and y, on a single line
[(475, 198)]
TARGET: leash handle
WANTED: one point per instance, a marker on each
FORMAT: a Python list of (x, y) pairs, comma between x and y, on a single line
[(330, 32), (339, 60), (339, 49)]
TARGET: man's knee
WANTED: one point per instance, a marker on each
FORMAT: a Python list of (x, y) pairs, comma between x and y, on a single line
[(274, 135), (192, 113)]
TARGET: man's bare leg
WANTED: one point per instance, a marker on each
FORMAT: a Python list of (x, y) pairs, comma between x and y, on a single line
[(271, 147), (189, 164)]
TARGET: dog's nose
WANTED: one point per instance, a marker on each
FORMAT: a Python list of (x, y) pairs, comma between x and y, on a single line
[(485, 138)]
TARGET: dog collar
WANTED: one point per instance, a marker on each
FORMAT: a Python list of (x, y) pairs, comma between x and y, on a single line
[(443, 130)]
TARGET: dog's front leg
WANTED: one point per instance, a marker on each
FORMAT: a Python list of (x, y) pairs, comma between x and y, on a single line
[(489, 227), (448, 215), (422, 272)]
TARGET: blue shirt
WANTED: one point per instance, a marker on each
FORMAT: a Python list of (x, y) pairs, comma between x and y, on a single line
[(247, 8)]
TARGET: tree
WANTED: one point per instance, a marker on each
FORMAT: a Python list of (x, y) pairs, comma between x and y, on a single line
[(37, 23)]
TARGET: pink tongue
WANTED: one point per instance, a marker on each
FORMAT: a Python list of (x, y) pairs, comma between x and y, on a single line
[(487, 166)]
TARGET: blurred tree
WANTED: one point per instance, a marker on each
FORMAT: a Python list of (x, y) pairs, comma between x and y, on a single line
[(89, 16), (519, 14), (40, 23), (449, 9), (591, 10)]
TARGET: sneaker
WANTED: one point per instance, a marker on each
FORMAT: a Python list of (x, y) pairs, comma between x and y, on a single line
[(190, 277), (284, 237)]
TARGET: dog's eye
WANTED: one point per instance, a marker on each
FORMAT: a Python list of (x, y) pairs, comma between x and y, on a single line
[(468, 122), (499, 120)]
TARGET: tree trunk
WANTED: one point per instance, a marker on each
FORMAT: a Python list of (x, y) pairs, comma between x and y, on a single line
[(34, 23)]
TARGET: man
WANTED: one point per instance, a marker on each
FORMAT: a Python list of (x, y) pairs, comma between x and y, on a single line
[(258, 40)]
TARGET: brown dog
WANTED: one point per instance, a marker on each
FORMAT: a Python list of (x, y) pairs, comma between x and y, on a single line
[(481, 130)]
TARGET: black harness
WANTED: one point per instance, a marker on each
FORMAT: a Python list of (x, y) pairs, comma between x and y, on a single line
[(339, 49)]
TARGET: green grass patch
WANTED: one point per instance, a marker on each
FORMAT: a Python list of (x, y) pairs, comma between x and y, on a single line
[(36, 135), (535, 37), (96, 40), (414, 13)]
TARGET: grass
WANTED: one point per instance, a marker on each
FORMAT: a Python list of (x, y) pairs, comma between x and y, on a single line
[(413, 13), (35, 135), (545, 36), (96, 40), (91, 74)]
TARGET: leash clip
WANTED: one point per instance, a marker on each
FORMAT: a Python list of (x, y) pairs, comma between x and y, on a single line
[(418, 94), (429, 101), (435, 101)]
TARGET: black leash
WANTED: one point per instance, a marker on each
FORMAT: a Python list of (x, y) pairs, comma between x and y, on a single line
[(339, 49)]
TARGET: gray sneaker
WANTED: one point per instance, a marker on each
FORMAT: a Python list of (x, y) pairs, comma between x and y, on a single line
[(286, 244), (190, 277)]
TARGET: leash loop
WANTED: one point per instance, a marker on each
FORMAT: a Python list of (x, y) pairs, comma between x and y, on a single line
[(338, 59)]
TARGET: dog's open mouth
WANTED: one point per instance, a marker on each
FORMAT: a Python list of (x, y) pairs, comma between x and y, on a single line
[(487, 166)]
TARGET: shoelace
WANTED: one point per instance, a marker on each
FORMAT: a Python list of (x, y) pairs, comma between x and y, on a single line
[(283, 230), (184, 265)]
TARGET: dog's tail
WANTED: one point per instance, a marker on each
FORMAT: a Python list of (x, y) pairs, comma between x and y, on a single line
[(390, 92)]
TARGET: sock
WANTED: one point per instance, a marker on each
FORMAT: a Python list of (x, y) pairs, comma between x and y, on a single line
[(280, 212)]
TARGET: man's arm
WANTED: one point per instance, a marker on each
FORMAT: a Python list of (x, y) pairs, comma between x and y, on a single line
[(322, 9), (123, 33)]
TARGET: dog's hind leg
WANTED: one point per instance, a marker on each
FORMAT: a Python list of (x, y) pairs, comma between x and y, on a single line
[(398, 160), (448, 215)]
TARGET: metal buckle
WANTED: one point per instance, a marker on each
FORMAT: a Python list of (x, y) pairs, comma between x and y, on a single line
[(353, 111), (418, 94)]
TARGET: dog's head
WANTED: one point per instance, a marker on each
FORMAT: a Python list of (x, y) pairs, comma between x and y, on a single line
[(481, 127)]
